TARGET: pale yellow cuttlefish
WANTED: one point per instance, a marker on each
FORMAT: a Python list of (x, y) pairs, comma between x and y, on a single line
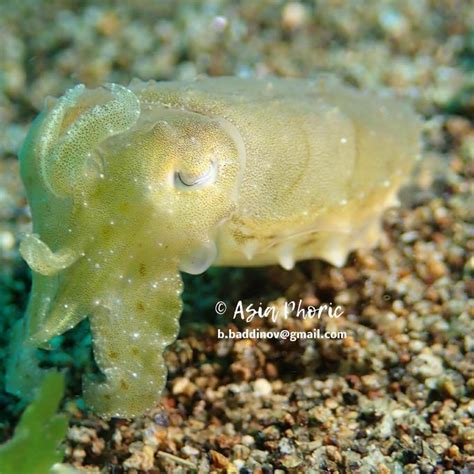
[(130, 186)]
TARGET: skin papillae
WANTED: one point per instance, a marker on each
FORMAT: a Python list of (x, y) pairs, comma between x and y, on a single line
[(130, 186)]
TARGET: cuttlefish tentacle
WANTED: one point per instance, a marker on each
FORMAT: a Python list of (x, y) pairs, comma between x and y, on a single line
[(42, 259), (50, 316), (43, 292)]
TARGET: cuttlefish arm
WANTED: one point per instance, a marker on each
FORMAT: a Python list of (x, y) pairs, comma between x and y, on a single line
[(130, 334)]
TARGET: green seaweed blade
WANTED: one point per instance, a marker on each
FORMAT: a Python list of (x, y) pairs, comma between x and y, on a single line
[(34, 446)]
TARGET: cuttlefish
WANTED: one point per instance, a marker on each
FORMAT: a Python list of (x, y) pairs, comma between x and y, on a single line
[(129, 186)]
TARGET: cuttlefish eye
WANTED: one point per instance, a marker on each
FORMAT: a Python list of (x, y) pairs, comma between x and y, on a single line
[(188, 180)]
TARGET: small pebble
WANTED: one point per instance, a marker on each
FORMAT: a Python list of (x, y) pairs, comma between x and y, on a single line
[(262, 387), (294, 15)]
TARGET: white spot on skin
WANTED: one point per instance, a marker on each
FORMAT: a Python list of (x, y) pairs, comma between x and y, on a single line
[(343, 140)]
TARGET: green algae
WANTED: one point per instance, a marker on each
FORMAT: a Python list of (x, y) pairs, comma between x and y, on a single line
[(34, 446)]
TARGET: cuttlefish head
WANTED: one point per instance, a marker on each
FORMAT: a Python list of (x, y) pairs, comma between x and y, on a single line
[(99, 163), (182, 170), (123, 195)]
